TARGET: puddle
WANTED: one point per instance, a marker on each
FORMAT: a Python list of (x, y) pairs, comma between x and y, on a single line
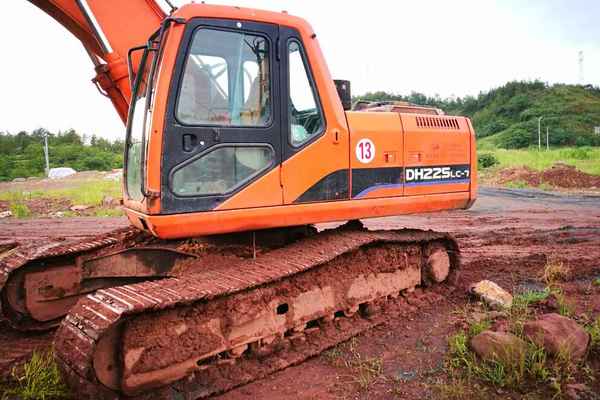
[(529, 285)]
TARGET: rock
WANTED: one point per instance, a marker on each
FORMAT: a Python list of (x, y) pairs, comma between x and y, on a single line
[(58, 214), (5, 214), (500, 346), (406, 376), (62, 172), (501, 325), (438, 265), (558, 334), (492, 294), (496, 314), (19, 180), (79, 208)]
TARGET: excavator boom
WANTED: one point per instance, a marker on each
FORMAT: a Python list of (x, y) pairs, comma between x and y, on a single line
[(108, 29)]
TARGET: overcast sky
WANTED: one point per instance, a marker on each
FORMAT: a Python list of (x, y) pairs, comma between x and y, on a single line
[(450, 48)]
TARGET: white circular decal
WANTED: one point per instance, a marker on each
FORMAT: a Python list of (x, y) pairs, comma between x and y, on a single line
[(365, 151)]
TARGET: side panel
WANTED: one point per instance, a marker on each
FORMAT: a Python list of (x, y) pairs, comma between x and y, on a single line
[(437, 154), (376, 156)]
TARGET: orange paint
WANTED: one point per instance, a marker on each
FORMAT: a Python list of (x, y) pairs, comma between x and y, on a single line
[(215, 222)]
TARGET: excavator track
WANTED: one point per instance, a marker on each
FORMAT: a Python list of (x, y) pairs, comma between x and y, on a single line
[(16, 258), (40, 281), (234, 322)]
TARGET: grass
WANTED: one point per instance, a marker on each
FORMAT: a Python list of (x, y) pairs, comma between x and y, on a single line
[(519, 311), (363, 370), (533, 369), (458, 389), (477, 327), (555, 271), (517, 373), (19, 210), (88, 193), (585, 159), (594, 331), (532, 296), (39, 378), (518, 184), (507, 372), (108, 212), (564, 307)]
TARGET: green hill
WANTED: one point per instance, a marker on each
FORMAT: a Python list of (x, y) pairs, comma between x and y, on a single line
[(507, 116)]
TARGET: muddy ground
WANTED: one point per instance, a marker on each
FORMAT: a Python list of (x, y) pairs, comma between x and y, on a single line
[(508, 236), (560, 177)]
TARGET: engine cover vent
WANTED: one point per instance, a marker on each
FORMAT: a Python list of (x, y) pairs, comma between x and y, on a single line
[(437, 122)]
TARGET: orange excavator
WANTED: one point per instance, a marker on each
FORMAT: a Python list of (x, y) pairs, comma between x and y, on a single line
[(238, 141)]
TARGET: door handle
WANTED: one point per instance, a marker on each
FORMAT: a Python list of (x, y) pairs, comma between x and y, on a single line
[(189, 142), (336, 136)]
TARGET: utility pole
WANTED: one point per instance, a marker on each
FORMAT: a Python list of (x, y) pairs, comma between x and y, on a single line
[(46, 153), (547, 141), (540, 133), (580, 60)]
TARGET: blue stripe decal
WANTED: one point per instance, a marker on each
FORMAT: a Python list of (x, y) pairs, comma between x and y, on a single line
[(399, 185), (438, 182), (376, 187)]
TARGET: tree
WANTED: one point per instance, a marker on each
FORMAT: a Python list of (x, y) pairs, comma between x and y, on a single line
[(22, 155)]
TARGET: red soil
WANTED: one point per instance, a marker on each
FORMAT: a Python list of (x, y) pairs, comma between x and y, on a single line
[(505, 239), (560, 175)]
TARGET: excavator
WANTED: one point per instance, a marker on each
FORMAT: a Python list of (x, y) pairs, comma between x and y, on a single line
[(238, 142)]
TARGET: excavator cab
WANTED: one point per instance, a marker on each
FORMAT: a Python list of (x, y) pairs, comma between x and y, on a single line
[(208, 127)]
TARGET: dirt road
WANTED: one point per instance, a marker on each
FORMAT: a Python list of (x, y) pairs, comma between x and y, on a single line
[(508, 236)]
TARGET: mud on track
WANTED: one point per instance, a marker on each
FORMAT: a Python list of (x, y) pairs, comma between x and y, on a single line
[(507, 237)]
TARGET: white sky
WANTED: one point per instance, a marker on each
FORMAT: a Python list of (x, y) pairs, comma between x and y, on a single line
[(440, 47)]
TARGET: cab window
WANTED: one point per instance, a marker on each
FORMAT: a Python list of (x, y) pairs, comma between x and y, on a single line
[(221, 170), (226, 81), (305, 116)]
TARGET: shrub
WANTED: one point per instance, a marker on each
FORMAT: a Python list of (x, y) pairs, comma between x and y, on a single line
[(579, 153), (39, 379), (514, 138), (487, 160)]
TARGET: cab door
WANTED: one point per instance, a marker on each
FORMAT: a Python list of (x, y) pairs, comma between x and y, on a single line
[(223, 125)]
